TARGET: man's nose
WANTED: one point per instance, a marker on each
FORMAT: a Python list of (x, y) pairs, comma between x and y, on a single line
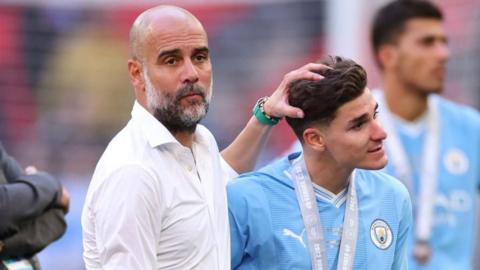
[(443, 51), (378, 133), (189, 72)]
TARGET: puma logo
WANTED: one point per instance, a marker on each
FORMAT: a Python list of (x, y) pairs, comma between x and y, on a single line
[(288, 232)]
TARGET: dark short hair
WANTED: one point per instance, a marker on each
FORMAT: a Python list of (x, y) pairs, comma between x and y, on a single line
[(320, 100), (390, 20)]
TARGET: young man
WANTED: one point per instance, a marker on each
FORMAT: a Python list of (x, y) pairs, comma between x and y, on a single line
[(433, 145), (325, 208), (157, 199)]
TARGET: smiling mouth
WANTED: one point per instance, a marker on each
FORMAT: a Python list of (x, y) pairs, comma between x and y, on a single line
[(376, 149)]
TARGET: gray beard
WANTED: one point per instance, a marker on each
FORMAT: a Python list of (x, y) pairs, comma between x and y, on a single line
[(177, 118)]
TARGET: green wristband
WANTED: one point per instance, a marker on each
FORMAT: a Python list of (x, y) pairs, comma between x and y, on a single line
[(260, 114)]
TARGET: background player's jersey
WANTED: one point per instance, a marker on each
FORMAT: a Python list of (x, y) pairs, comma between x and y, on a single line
[(452, 237), (267, 230)]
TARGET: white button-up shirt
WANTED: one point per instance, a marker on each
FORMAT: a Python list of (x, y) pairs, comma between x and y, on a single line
[(155, 204)]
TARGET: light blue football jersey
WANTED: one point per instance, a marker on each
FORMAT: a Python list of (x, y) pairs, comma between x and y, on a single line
[(453, 232), (267, 229), (296, 147)]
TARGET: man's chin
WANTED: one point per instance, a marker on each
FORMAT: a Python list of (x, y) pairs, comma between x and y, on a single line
[(438, 90), (375, 165), (195, 113), (434, 88)]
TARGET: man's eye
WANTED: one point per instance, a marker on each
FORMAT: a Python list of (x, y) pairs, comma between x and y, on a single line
[(428, 41), (200, 58), (358, 125), (171, 61)]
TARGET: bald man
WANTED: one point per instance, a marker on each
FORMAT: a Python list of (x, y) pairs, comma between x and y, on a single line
[(157, 199)]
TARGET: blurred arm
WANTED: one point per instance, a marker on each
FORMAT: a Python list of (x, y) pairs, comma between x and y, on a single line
[(34, 235), (27, 198), (24, 196)]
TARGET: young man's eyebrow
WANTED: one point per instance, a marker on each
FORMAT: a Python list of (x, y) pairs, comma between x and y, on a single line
[(362, 118), (356, 120)]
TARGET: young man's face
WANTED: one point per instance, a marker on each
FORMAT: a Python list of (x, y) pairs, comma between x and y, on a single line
[(421, 55), (354, 139)]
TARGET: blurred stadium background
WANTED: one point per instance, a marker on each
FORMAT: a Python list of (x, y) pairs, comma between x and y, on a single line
[(64, 90)]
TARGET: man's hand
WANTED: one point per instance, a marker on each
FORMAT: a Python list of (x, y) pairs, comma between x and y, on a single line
[(277, 105), (31, 170), (64, 201)]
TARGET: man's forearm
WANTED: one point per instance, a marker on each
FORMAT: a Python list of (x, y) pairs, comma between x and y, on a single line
[(27, 198), (35, 234), (9, 166), (243, 152)]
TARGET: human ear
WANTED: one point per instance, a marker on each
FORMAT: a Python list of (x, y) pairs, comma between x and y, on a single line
[(135, 73), (387, 56), (314, 138)]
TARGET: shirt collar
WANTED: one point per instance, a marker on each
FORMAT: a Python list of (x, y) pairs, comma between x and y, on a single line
[(322, 193), (327, 196), (155, 132)]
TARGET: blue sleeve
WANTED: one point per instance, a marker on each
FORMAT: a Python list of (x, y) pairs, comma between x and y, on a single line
[(477, 136), (400, 260), (238, 219), (296, 147), (470, 121), (250, 223)]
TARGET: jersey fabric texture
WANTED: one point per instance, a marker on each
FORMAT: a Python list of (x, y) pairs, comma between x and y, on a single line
[(453, 232), (267, 229)]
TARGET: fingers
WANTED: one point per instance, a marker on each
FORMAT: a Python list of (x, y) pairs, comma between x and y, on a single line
[(31, 170), (65, 200), (292, 112), (308, 72), (315, 67), (304, 74), (277, 105)]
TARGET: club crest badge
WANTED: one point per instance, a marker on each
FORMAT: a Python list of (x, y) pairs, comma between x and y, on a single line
[(381, 234), (456, 161)]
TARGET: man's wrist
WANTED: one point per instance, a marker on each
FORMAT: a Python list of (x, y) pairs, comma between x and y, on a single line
[(261, 115)]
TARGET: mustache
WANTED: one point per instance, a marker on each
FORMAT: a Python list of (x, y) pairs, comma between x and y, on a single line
[(190, 89)]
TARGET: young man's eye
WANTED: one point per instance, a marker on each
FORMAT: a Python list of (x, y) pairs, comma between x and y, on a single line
[(357, 126)]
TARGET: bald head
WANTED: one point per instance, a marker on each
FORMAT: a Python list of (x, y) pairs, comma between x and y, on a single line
[(158, 18)]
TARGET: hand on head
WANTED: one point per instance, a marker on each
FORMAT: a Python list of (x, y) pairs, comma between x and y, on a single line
[(277, 105)]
